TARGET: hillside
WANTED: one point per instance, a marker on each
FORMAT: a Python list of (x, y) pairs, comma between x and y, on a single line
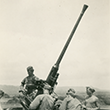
[(13, 90), (10, 89), (104, 96)]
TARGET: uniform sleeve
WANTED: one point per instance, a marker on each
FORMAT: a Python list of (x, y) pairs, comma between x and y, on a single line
[(97, 103), (36, 78), (23, 82), (35, 103), (63, 105)]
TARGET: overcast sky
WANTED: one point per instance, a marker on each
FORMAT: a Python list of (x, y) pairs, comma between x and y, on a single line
[(33, 32)]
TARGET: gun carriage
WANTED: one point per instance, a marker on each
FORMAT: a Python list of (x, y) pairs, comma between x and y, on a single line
[(53, 75)]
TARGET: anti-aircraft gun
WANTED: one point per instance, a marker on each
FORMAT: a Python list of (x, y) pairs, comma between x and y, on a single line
[(53, 75)]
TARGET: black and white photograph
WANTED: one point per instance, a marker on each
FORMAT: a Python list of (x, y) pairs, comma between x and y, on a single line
[(54, 55)]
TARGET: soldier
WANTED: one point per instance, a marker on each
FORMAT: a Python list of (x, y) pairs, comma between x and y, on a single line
[(28, 84), (91, 101), (1, 95), (70, 102), (44, 101)]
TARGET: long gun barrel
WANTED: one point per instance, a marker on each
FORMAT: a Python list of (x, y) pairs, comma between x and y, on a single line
[(53, 75)]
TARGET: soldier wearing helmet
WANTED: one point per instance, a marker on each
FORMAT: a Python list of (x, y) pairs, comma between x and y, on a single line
[(29, 83), (1, 95), (70, 102), (91, 101)]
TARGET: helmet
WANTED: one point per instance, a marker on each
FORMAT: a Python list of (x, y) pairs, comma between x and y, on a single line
[(90, 89), (72, 90), (30, 68)]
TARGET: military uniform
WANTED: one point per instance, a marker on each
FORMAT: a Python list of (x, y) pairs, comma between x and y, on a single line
[(70, 102), (44, 101), (30, 83), (91, 101)]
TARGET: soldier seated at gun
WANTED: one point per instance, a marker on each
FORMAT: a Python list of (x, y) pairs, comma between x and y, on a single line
[(43, 101), (29, 88), (31, 83)]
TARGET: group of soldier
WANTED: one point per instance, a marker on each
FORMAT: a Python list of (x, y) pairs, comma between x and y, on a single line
[(45, 98)]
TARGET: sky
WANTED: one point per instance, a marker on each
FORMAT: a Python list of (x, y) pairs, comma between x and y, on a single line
[(34, 32)]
